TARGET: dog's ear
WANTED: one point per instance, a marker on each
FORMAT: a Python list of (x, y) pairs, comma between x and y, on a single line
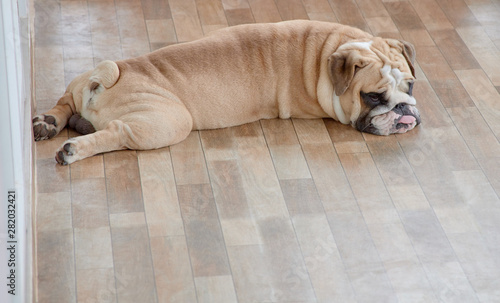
[(342, 66), (408, 51)]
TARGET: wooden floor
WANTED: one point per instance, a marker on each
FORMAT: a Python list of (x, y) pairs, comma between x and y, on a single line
[(278, 210)]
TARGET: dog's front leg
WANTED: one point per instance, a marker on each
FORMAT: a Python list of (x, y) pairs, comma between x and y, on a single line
[(49, 124)]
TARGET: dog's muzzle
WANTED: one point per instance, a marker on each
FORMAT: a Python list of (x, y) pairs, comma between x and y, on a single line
[(402, 118)]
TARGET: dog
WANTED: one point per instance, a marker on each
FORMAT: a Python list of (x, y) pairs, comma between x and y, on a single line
[(237, 75)]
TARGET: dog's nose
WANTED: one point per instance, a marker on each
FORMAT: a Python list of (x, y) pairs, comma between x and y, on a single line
[(400, 106)]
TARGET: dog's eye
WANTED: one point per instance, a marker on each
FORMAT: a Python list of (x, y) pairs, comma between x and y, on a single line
[(372, 99), (410, 88), (375, 97)]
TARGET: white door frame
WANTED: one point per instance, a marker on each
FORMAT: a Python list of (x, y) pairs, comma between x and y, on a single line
[(16, 156)]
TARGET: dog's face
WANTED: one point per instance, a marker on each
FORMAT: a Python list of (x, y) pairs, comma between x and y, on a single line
[(373, 80)]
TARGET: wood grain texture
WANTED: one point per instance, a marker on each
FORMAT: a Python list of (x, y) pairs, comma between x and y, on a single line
[(172, 268), (132, 259), (264, 11), (203, 232), (161, 202), (123, 182), (277, 210), (186, 21)]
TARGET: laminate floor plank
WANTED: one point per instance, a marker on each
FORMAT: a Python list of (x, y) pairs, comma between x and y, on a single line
[(347, 13), (89, 203), (239, 16), (286, 151), (364, 268), (371, 195), (132, 259), (445, 274), (215, 289), (319, 10), (106, 42), (203, 232), (454, 50), (372, 8), (398, 176), (484, 95), (274, 270), (431, 15), (133, 32), (189, 161), (238, 219), (93, 248), (156, 10), (433, 164), (404, 15), (186, 21), (401, 262), (473, 127), (323, 260), (488, 14), (458, 12), (49, 76), (264, 11), (47, 21), (123, 185), (52, 178), (212, 15), (291, 9), (381, 25), (482, 204), (172, 269), (484, 50), (77, 40), (259, 178), (478, 264), (90, 289), (325, 166), (161, 32), (294, 210), (56, 266), (442, 78), (161, 202)]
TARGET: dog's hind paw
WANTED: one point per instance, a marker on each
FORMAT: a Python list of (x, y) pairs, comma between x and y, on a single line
[(44, 127), (67, 153)]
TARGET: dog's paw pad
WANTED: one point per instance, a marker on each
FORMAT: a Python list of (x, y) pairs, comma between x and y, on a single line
[(64, 155), (44, 127)]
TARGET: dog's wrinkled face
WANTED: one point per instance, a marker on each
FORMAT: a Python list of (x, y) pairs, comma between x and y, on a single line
[(374, 81)]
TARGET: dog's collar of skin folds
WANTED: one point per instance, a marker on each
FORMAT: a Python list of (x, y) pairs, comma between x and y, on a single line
[(337, 109)]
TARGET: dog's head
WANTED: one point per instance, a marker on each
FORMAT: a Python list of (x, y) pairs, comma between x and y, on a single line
[(373, 82)]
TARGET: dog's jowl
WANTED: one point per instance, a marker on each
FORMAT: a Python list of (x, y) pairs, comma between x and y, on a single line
[(299, 69)]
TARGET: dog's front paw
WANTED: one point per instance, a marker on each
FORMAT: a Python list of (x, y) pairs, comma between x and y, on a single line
[(44, 127), (67, 153)]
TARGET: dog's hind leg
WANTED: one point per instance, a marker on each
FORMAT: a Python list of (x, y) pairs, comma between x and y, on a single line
[(49, 124), (137, 131)]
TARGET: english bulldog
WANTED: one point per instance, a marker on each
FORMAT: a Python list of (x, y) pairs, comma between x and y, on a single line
[(291, 69)]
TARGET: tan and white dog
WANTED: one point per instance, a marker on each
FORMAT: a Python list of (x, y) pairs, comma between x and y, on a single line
[(292, 69)]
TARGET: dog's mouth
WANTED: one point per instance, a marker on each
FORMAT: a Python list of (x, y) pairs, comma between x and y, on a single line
[(404, 123), (399, 120)]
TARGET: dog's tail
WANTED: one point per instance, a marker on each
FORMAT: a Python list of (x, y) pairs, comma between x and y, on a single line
[(106, 74)]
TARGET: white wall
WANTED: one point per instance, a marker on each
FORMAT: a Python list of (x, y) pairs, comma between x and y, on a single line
[(15, 150)]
